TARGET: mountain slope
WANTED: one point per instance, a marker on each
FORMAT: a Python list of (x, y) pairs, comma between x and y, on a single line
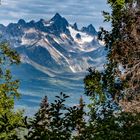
[(55, 46), (55, 56)]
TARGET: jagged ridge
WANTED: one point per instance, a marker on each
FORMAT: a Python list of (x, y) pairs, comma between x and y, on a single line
[(55, 45)]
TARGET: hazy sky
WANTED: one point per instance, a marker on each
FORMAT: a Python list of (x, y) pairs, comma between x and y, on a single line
[(83, 12)]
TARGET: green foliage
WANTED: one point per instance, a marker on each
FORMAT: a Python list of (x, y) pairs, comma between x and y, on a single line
[(10, 120), (114, 85), (123, 44), (57, 121), (119, 126)]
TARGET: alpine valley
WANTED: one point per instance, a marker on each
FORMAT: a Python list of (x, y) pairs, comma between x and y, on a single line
[(55, 56)]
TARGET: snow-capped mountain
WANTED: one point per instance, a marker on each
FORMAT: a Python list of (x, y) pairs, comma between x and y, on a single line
[(55, 46), (55, 56)]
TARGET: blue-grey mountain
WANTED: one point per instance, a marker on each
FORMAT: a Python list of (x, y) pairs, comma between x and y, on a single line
[(54, 54)]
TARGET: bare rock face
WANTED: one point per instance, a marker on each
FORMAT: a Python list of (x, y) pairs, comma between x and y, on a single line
[(55, 45)]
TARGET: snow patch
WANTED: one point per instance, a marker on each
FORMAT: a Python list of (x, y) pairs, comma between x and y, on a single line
[(48, 24), (84, 37)]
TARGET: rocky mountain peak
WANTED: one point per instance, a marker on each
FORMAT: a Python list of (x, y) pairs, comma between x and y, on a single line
[(21, 22), (59, 20), (57, 16), (75, 26), (90, 30)]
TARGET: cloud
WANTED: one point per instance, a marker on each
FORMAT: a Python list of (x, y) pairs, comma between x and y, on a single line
[(83, 12)]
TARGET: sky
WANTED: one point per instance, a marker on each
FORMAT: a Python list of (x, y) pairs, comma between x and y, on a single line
[(84, 12)]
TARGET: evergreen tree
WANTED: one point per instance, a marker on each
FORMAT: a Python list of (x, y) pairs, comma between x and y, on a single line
[(56, 121), (124, 47), (120, 79), (10, 120)]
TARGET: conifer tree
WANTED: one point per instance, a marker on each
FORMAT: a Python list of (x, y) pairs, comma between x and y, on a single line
[(120, 79), (57, 121), (10, 120)]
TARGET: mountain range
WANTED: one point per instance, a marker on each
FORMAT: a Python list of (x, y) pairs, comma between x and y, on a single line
[(54, 54), (54, 46)]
